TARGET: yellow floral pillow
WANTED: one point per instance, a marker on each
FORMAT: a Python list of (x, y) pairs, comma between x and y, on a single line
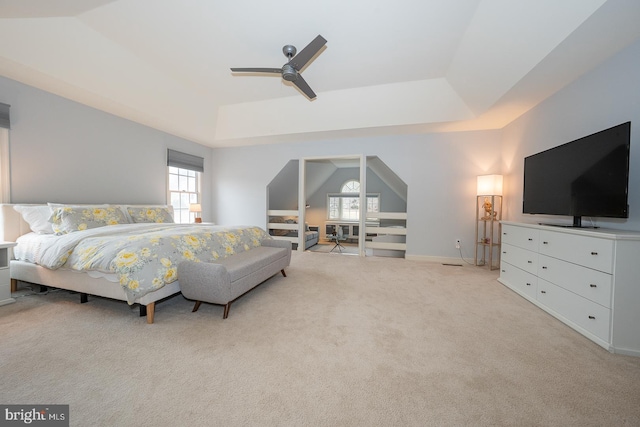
[(150, 214), (68, 219)]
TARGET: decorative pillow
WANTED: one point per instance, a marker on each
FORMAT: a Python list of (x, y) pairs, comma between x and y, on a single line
[(150, 214), (37, 216), (75, 218)]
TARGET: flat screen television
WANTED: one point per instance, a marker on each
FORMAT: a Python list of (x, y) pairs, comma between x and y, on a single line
[(586, 177)]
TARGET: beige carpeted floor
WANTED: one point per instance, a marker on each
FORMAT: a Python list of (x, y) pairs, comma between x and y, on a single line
[(347, 248), (341, 341)]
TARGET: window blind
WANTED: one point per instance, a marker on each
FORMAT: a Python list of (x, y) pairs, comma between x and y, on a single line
[(4, 116), (185, 161)]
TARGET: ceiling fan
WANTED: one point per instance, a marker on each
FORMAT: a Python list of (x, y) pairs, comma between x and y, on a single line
[(291, 70)]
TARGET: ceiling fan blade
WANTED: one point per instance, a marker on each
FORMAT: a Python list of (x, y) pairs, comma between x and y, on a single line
[(257, 70), (301, 59), (304, 87)]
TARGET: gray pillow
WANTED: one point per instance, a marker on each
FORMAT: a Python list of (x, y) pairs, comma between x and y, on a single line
[(150, 214), (69, 219)]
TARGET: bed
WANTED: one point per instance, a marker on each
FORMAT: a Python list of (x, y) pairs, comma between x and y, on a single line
[(124, 252)]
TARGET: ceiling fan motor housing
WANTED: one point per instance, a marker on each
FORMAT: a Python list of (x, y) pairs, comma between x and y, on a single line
[(289, 51), (289, 73)]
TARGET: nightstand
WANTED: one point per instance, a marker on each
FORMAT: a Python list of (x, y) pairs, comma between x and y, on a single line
[(5, 274)]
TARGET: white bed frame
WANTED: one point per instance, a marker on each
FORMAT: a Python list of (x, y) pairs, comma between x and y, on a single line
[(14, 226)]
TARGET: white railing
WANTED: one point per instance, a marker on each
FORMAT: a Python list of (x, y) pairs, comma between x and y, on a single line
[(397, 234), (272, 226)]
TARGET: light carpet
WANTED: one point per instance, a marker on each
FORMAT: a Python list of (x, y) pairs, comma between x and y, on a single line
[(386, 342), (330, 248)]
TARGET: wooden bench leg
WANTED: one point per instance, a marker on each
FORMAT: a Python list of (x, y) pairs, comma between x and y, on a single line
[(196, 307), (283, 273), (226, 310), (14, 285), (84, 298), (151, 310)]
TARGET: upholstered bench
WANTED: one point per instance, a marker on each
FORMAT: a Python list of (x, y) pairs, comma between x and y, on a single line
[(224, 281)]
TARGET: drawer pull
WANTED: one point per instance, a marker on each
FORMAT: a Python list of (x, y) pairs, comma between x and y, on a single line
[(529, 262), (504, 252), (503, 271), (543, 292), (545, 243), (594, 253), (544, 267), (530, 239), (528, 284), (593, 286), (592, 317)]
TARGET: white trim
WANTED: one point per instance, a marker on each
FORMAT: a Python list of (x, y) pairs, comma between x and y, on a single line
[(387, 215), (387, 230), (281, 212), (387, 245)]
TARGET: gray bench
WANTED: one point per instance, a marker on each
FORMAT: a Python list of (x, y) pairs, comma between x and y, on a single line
[(228, 279)]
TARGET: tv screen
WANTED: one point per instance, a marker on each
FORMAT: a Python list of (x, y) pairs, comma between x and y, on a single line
[(585, 177)]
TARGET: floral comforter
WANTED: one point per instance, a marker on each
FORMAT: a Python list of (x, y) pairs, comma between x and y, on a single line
[(145, 257)]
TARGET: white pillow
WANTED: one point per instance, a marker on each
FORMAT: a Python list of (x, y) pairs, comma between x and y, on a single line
[(37, 216)]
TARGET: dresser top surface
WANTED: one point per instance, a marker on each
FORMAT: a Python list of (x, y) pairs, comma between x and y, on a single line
[(608, 233)]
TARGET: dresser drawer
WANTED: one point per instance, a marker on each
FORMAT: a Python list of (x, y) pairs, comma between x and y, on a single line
[(522, 237), (521, 258), (592, 252), (591, 284), (593, 317), (5, 275), (518, 280)]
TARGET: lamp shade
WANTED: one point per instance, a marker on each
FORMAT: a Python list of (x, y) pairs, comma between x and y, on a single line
[(489, 185), (195, 207)]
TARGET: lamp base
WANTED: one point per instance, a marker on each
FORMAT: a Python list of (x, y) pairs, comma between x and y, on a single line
[(198, 220)]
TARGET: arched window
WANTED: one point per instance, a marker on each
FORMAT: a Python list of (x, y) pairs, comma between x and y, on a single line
[(345, 206), (351, 186)]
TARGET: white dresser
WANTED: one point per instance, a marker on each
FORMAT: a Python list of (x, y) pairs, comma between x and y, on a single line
[(5, 275), (587, 278)]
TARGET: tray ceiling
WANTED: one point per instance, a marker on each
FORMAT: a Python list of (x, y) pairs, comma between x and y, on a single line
[(388, 67)]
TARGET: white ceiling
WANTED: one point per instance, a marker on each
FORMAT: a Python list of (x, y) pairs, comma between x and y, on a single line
[(401, 66)]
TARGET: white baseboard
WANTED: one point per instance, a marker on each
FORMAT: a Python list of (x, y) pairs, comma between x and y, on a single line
[(439, 260)]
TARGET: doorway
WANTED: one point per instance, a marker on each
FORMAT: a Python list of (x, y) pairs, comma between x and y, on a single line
[(323, 206)]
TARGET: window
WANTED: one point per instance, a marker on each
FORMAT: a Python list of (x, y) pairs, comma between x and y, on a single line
[(184, 189), (345, 206), (184, 183), (5, 174)]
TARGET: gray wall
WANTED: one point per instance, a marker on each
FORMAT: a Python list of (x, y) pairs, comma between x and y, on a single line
[(62, 151), (605, 97), (283, 189), (439, 169), (317, 212)]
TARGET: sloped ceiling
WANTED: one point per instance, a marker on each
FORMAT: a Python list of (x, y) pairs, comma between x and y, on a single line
[(388, 67)]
